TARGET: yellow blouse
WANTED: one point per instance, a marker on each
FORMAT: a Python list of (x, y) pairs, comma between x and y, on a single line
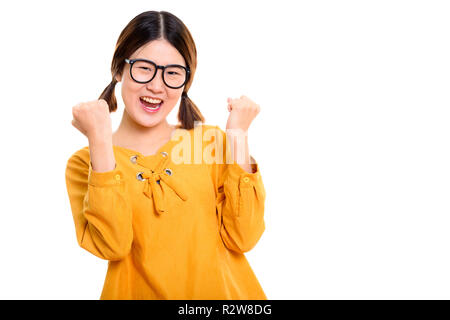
[(170, 229)]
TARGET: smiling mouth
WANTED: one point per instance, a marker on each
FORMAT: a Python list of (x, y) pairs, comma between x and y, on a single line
[(152, 107)]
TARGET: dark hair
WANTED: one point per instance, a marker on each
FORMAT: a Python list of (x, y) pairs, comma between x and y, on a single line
[(146, 27)]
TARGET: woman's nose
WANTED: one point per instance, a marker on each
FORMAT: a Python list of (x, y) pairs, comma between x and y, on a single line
[(157, 81)]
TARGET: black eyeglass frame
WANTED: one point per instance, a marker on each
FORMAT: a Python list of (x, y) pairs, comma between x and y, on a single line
[(132, 61)]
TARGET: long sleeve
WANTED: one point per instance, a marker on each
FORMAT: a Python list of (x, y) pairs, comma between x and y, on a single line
[(100, 208), (240, 198)]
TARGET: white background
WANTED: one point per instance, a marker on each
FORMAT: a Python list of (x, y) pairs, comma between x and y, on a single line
[(352, 138)]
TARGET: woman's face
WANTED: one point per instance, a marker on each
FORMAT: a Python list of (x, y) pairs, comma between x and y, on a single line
[(162, 53)]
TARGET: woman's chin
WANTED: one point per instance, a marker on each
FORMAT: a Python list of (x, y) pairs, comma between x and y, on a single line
[(149, 123), (146, 120)]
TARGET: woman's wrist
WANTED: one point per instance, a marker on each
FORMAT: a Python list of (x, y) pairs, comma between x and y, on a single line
[(102, 154)]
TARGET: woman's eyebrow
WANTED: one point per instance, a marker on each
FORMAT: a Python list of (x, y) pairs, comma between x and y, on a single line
[(180, 64)]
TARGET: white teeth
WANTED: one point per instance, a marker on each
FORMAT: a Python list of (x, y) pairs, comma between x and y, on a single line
[(149, 100)]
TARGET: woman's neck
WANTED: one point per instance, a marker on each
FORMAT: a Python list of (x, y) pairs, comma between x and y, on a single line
[(131, 135)]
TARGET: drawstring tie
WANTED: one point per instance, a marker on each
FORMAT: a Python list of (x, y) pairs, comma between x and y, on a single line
[(153, 188)]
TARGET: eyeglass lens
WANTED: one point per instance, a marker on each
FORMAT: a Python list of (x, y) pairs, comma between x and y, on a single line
[(143, 71)]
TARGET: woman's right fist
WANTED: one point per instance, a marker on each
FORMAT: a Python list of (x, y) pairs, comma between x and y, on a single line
[(92, 119)]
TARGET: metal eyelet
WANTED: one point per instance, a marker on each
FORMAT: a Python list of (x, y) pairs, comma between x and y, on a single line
[(139, 176), (164, 154), (168, 172), (157, 181), (133, 159)]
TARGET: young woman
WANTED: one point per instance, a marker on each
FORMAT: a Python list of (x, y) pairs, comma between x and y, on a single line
[(172, 223)]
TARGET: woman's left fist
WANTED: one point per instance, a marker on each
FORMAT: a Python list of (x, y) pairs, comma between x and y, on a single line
[(242, 112)]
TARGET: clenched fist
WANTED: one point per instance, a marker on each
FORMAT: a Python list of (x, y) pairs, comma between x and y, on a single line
[(93, 119), (242, 112)]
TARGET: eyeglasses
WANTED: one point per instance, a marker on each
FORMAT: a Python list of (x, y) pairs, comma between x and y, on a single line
[(143, 71)]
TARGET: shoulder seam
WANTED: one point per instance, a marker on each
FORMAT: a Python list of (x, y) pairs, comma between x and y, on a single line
[(79, 154)]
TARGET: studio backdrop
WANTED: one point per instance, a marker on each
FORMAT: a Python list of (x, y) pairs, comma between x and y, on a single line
[(352, 138)]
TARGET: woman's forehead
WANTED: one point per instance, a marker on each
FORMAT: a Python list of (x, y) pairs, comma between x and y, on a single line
[(159, 51)]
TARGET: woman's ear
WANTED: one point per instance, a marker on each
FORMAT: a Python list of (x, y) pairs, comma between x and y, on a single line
[(118, 77)]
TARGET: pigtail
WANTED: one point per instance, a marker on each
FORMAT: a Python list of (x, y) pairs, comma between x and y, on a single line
[(109, 96), (188, 113)]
